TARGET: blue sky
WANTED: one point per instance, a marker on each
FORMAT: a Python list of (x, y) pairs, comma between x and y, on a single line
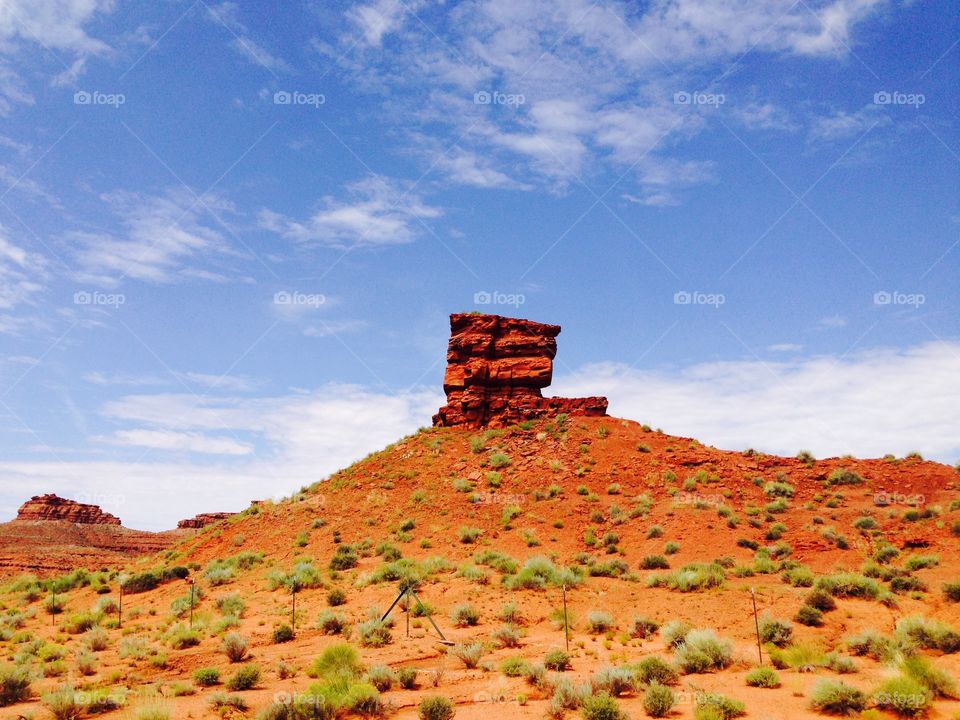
[(231, 234)]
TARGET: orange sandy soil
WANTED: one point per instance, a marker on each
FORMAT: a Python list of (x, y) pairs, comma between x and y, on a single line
[(414, 479)]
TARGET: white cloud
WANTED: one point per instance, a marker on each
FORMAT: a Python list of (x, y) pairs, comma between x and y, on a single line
[(22, 277), (53, 25), (597, 79), (785, 348), (379, 212), (868, 404), (228, 14), (180, 441), (841, 125), (164, 236), (294, 440)]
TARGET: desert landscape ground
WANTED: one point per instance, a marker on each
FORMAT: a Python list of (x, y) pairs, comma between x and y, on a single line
[(563, 565)]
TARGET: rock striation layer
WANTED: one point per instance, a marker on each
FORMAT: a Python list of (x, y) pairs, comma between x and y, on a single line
[(496, 369), (203, 519), (54, 507)]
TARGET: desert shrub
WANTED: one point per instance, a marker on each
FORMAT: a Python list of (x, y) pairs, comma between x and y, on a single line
[(599, 621), (331, 623), (336, 597), (63, 703), (468, 535), (468, 654), (601, 707), (778, 489), (381, 677), (691, 578), (763, 677), (538, 572), (152, 712), (181, 638), (938, 682), (498, 561), (821, 600), (843, 476), (206, 676), (282, 633), (654, 562), (344, 558), (920, 562), (614, 681), (929, 634), (374, 633), (903, 696), (231, 604), (643, 627), (337, 661), (655, 531), (809, 616), (499, 460), (407, 678), (712, 705), (514, 667), (798, 576), (557, 660), (865, 523), (81, 622), (506, 636), (951, 591), (465, 615), (235, 647), (97, 639), (675, 632), (702, 651), (223, 703), (671, 548), (436, 707), (536, 675), (565, 697), (14, 685), (658, 701), (837, 698), (847, 584), (244, 678), (777, 632), (907, 583), (653, 669)]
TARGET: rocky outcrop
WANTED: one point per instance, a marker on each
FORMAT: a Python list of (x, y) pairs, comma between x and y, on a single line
[(203, 519), (54, 507), (496, 369)]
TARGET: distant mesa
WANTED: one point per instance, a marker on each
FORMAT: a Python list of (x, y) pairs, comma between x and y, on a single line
[(54, 507), (496, 369), (203, 519)]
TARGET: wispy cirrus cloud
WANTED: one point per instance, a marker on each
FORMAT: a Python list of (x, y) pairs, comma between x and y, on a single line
[(160, 239), (378, 211)]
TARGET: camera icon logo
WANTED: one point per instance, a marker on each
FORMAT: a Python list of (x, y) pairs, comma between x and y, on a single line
[(882, 98), (682, 98), (482, 298), (482, 98), (882, 297), (82, 297), (282, 298), (82, 97), (682, 298), (282, 97)]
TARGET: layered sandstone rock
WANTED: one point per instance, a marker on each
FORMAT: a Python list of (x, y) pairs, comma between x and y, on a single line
[(203, 519), (54, 507), (496, 369)]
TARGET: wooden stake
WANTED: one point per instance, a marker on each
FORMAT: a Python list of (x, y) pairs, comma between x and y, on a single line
[(566, 626), (756, 624)]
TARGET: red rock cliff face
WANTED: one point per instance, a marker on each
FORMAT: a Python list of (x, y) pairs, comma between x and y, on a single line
[(53, 507), (203, 519), (496, 368)]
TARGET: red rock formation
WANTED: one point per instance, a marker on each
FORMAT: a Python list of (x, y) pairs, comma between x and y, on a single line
[(53, 507), (203, 519), (496, 368)]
